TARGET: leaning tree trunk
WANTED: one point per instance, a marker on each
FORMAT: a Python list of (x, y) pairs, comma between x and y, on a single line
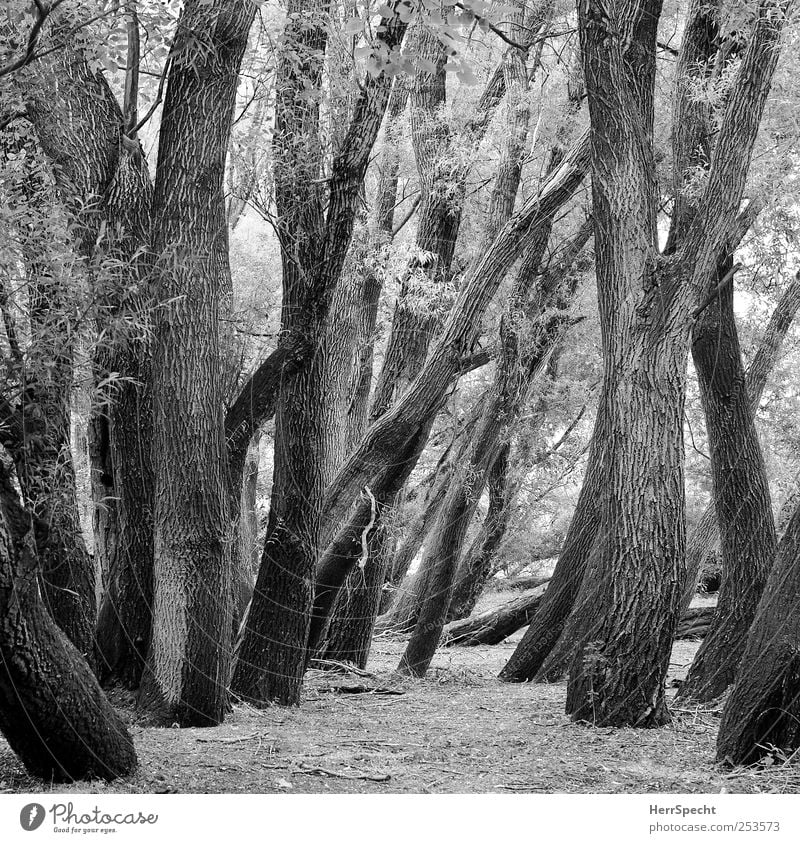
[(315, 226), (550, 620), (190, 651), (350, 632), (351, 628), (52, 711), (513, 78), (401, 429), (476, 566), (542, 315), (741, 495), (703, 540), (763, 709)]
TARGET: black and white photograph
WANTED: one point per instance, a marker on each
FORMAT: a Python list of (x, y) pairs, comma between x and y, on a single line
[(400, 397)]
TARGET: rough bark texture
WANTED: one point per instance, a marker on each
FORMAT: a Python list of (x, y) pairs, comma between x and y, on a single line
[(704, 538), (52, 711), (741, 495), (763, 709), (315, 228), (102, 176), (44, 459), (647, 303), (640, 540), (190, 649)]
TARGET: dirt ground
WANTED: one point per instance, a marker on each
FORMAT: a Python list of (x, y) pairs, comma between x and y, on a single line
[(460, 730)]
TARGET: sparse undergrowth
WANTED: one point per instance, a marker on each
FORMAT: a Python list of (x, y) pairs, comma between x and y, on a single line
[(459, 730)]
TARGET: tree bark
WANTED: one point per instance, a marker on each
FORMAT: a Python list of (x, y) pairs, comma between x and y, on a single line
[(52, 711), (705, 536), (741, 495), (190, 649), (102, 176), (763, 709), (647, 303), (315, 235)]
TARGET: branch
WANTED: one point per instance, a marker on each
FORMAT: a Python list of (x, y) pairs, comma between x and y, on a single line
[(156, 102), (717, 290), (130, 108), (43, 11)]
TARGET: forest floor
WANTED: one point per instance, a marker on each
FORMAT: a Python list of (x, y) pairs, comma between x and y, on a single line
[(460, 730)]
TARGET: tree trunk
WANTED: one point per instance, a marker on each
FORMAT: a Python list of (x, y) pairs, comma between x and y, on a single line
[(102, 176), (638, 549), (705, 536), (192, 618), (763, 709), (741, 495), (350, 631), (540, 317), (52, 711), (549, 622), (315, 228), (476, 566), (44, 463)]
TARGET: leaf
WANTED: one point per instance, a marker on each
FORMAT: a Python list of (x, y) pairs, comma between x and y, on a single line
[(353, 26)]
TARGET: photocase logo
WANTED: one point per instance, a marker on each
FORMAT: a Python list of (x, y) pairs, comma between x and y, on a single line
[(32, 816)]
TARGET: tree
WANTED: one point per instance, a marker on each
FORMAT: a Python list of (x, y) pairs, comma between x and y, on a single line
[(53, 712), (761, 713), (315, 229), (647, 303), (741, 494), (190, 654)]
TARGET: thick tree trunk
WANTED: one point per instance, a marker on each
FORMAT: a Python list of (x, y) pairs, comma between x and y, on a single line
[(763, 709), (103, 179), (639, 546), (741, 495), (315, 229), (52, 711), (190, 651)]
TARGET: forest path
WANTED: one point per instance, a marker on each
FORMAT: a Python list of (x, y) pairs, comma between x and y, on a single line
[(459, 730)]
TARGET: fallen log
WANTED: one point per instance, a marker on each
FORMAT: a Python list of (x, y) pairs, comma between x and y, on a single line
[(519, 583), (695, 622), (495, 625)]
